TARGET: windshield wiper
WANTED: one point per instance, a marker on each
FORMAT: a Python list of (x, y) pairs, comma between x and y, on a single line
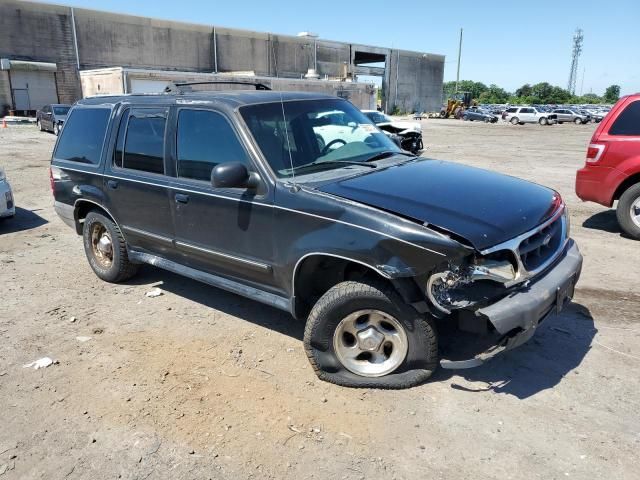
[(332, 162), (386, 154)]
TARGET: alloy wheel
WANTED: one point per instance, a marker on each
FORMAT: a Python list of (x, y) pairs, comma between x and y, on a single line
[(370, 343)]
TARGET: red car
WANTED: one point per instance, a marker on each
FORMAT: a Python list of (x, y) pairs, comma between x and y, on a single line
[(612, 169)]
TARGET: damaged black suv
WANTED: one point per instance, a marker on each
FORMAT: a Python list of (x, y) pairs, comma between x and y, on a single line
[(297, 200)]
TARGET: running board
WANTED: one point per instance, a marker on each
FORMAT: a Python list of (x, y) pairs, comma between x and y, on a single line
[(232, 286)]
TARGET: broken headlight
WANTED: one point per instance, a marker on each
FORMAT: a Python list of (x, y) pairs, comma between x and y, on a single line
[(474, 282)]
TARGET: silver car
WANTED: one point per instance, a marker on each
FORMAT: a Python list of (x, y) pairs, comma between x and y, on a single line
[(522, 115), (572, 115)]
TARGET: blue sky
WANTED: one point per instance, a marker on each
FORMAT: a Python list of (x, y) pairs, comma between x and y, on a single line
[(505, 42)]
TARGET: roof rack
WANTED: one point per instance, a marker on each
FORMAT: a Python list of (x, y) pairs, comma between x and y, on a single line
[(177, 87)]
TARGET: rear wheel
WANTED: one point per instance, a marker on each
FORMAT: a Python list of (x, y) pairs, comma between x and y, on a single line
[(628, 211), (514, 121), (487, 120), (106, 249), (361, 334), (465, 118)]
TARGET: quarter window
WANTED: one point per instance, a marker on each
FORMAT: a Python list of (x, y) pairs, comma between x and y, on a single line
[(205, 139), (83, 135), (628, 122)]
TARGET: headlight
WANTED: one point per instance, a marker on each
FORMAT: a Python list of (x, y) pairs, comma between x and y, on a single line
[(3, 176), (463, 286)]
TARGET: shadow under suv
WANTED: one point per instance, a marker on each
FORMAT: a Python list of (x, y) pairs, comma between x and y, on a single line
[(370, 245)]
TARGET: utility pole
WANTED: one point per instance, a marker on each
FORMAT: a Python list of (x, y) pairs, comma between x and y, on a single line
[(582, 81), (459, 54)]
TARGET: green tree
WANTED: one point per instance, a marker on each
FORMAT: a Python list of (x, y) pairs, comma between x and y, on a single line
[(612, 94), (494, 94), (524, 91), (476, 88)]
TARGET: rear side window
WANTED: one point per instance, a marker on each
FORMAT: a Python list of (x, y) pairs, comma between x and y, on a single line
[(204, 140), (512, 110), (140, 143), (628, 122), (83, 135)]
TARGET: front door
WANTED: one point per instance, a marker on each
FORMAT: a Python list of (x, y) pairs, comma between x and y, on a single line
[(223, 231), (137, 189)]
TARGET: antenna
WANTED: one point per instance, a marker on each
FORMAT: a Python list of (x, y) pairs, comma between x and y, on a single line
[(578, 37), (286, 134)]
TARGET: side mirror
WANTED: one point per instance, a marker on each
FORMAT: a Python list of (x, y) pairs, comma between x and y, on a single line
[(353, 125), (233, 175)]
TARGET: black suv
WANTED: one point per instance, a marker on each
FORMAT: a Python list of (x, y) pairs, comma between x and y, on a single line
[(261, 194)]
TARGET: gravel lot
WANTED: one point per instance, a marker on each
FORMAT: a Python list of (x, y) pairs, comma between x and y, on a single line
[(199, 383)]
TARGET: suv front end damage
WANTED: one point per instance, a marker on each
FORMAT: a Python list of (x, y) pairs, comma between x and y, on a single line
[(509, 289)]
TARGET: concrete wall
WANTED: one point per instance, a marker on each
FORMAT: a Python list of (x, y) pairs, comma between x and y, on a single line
[(110, 40)]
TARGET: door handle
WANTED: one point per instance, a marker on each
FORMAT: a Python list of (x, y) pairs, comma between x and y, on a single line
[(112, 184), (182, 198)]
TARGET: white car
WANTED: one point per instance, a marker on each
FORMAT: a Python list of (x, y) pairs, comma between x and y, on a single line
[(7, 207), (409, 133), (403, 127), (336, 128), (522, 115)]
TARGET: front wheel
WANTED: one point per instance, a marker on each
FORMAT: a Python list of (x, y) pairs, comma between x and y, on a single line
[(39, 125), (578, 121), (361, 334), (628, 211), (543, 121), (106, 249), (514, 121), (56, 129)]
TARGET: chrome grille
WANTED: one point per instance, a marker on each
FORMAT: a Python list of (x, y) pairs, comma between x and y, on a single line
[(537, 249)]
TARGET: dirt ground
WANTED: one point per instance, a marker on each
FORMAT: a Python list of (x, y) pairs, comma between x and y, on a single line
[(199, 383)]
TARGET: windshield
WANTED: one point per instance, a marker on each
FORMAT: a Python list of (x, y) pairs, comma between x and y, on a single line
[(61, 110), (329, 134)]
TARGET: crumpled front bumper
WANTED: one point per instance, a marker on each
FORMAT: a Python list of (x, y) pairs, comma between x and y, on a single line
[(517, 316)]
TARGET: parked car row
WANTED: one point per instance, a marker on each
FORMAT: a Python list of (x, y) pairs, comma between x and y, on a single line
[(578, 114)]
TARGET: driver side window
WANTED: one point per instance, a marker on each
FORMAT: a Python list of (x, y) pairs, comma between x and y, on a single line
[(206, 139)]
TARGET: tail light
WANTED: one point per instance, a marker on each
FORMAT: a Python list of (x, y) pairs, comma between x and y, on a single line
[(594, 152)]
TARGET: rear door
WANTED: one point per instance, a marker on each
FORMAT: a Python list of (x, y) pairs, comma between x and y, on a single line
[(224, 231), (527, 114), (620, 134), (137, 190)]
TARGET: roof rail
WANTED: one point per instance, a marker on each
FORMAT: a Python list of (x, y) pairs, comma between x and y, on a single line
[(176, 87)]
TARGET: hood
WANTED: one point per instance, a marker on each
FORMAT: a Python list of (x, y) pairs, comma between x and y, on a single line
[(484, 207), (403, 125)]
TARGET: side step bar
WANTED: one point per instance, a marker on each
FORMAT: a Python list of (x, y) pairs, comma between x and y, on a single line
[(232, 286)]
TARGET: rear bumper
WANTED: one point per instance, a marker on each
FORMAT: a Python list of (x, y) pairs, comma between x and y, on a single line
[(595, 183), (66, 213), (517, 316)]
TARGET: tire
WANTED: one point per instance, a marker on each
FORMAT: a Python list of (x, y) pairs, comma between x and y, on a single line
[(39, 124), (543, 121), (487, 120), (514, 121), (560, 123), (629, 222), (56, 129), (119, 268), (578, 121), (343, 301), (465, 118)]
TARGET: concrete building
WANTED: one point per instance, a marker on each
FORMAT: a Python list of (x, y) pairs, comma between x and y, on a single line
[(43, 49)]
